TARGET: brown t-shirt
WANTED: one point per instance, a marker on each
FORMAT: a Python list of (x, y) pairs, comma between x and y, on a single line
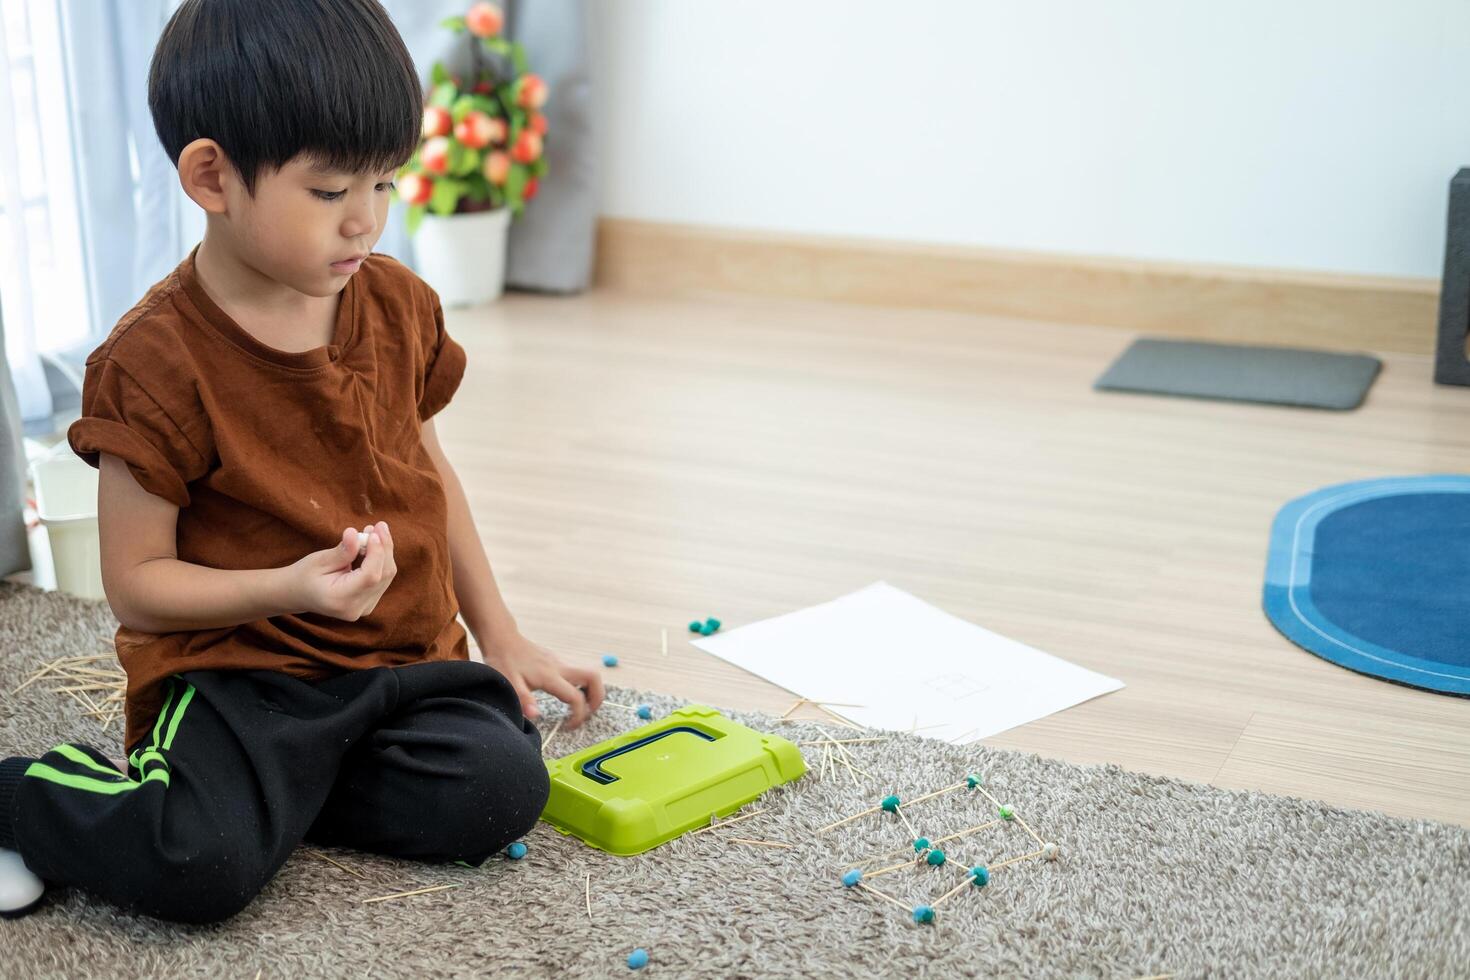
[(270, 454)]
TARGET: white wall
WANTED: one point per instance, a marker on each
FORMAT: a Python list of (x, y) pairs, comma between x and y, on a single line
[(1299, 134)]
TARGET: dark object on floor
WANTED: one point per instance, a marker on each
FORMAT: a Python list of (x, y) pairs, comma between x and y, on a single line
[(1237, 373), (1372, 576), (1451, 367)]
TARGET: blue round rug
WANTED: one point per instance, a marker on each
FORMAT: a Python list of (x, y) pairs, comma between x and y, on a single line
[(1375, 577)]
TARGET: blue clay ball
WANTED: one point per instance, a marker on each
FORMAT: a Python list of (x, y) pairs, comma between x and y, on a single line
[(712, 624), (852, 877), (973, 781), (920, 843), (638, 959), (980, 874), (923, 913), (608, 660), (936, 857), (695, 626), (515, 851), (890, 803), (645, 712)]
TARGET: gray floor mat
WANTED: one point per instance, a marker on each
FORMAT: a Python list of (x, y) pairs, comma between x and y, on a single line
[(1236, 372)]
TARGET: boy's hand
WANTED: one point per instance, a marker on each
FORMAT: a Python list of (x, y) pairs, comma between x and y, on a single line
[(531, 667), (325, 582)]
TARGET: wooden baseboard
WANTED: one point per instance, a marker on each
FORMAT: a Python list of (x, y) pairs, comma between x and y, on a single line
[(1339, 312)]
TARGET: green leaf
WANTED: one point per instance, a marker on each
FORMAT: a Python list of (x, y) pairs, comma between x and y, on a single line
[(445, 196), (515, 182), (498, 45), (518, 57), (463, 106), (497, 197), (463, 161), (443, 95), (507, 95), (538, 169), (478, 189), (486, 105), (455, 24), (414, 217), (439, 75)]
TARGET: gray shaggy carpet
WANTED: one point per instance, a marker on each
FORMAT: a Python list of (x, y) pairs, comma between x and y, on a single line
[(1156, 876)]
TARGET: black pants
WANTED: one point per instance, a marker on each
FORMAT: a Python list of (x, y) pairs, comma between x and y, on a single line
[(432, 761)]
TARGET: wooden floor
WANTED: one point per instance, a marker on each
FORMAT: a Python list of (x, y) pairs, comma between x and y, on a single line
[(636, 462)]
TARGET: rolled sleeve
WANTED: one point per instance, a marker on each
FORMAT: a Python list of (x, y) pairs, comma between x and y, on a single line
[(121, 419), (444, 368)]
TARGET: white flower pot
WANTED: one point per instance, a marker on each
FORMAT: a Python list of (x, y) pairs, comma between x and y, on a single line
[(463, 255)]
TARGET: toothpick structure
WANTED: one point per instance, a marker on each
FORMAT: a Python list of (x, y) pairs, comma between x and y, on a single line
[(927, 854)]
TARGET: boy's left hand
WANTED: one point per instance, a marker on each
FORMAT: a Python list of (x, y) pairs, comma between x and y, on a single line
[(531, 667)]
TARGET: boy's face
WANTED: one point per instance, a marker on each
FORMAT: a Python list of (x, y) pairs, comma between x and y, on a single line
[(309, 227)]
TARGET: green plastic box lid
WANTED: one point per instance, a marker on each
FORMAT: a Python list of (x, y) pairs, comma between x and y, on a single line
[(637, 790)]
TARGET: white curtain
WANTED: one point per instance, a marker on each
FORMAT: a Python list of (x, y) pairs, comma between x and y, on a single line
[(101, 214), (104, 217)]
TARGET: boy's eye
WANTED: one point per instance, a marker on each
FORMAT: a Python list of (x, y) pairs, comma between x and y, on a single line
[(387, 185), (329, 195)]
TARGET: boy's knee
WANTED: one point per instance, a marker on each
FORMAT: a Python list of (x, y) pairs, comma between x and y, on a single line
[(498, 800), (209, 883)]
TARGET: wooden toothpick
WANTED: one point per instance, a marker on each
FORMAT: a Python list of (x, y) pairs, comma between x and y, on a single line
[(589, 894), (869, 888), (891, 868), (554, 729), (967, 883), (763, 843), (329, 860), (1023, 857), (416, 891), (725, 823)]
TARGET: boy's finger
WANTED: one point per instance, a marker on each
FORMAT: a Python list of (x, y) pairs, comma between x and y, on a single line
[(372, 562), (528, 700), (387, 535), (570, 695), (591, 682)]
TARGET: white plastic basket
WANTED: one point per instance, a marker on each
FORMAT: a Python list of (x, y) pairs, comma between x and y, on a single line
[(66, 504)]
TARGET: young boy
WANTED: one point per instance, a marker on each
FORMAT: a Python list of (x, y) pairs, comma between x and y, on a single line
[(289, 676)]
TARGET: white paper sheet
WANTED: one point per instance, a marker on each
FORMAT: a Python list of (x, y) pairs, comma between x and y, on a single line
[(908, 664)]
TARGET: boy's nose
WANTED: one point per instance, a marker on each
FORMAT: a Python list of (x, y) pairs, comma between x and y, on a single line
[(360, 223)]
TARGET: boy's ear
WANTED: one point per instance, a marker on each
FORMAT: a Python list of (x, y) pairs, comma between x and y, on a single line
[(205, 172)]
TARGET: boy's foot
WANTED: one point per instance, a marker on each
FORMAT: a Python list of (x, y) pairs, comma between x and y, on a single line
[(20, 889)]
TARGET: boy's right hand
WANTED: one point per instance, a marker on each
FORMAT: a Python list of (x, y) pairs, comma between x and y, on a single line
[(325, 582)]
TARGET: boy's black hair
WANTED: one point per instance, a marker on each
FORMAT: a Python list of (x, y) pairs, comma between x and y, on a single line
[(271, 79)]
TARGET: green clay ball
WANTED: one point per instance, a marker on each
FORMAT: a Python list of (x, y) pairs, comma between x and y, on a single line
[(920, 843), (1006, 813), (973, 781), (936, 857), (923, 913), (890, 803)]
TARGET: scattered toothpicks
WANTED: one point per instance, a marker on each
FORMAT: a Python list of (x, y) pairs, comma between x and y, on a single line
[(80, 678)]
